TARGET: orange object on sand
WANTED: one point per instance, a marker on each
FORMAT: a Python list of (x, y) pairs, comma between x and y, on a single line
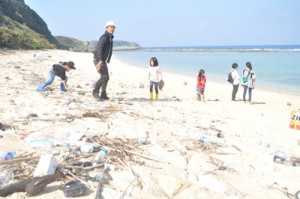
[(295, 120)]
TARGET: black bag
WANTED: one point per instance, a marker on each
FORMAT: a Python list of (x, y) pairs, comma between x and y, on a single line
[(161, 84), (230, 79), (74, 189)]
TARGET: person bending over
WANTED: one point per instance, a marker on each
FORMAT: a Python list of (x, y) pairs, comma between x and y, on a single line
[(59, 70)]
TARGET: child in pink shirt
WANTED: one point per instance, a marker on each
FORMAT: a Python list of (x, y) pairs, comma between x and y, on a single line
[(201, 81)]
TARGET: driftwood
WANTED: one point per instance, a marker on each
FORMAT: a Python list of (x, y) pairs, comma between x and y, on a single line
[(31, 185), (12, 162), (39, 184), (85, 168), (15, 187)]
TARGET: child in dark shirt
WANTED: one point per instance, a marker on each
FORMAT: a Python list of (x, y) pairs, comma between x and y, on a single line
[(59, 70)]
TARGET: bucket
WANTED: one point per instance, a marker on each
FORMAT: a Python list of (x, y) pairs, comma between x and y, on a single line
[(295, 120)]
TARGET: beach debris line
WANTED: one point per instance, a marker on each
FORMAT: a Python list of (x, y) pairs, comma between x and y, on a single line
[(119, 153), (75, 165)]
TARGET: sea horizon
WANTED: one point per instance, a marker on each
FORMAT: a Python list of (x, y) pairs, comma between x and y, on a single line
[(226, 47)]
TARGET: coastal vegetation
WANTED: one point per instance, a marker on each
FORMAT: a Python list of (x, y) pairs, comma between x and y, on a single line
[(16, 36), (22, 28), (88, 46)]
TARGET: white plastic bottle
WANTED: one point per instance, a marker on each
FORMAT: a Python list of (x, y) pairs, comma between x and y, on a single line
[(86, 148), (6, 175), (102, 153), (41, 143)]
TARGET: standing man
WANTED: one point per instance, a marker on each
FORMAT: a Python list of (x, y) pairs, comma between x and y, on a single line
[(102, 55)]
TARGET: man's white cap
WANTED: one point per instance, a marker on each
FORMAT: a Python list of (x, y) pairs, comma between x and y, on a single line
[(110, 23)]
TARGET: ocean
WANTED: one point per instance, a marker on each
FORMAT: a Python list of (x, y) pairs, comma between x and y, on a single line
[(277, 67)]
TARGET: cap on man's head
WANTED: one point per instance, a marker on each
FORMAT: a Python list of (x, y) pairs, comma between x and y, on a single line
[(110, 23), (71, 64)]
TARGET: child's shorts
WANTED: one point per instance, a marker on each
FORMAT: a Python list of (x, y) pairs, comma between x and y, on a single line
[(200, 90)]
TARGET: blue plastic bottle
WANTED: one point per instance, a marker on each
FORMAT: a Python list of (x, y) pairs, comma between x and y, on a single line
[(9, 155)]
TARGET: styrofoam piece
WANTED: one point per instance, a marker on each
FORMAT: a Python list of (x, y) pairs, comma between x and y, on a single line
[(46, 166)]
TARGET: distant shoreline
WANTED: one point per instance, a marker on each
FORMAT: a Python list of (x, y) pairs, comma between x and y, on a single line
[(229, 48), (123, 48), (218, 50)]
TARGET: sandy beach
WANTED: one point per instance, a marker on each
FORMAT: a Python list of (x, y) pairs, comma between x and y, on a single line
[(235, 161)]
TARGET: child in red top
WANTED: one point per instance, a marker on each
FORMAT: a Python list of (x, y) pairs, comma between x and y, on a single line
[(201, 80)]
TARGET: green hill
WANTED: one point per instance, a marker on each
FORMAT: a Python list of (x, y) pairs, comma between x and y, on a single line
[(21, 27), (73, 44), (88, 46)]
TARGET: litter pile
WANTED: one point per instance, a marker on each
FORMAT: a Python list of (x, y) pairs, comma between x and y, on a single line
[(82, 166), (77, 162)]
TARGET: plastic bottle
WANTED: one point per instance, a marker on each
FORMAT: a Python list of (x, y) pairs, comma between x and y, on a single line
[(9, 155), (102, 153), (205, 139), (279, 157), (86, 148), (144, 139), (41, 143), (6, 175), (290, 163)]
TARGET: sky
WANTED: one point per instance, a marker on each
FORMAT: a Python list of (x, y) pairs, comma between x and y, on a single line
[(159, 23)]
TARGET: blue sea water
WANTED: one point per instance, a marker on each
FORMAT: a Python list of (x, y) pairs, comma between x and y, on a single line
[(277, 67)]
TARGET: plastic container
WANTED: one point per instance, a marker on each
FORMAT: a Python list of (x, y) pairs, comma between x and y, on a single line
[(46, 165), (205, 139), (86, 148), (144, 139), (81, 143), (102, 153), (6, 175), (71, 137), (290, 163), (9, 155), (279, 156), (41, 143), (295, 120), (74, 188)]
